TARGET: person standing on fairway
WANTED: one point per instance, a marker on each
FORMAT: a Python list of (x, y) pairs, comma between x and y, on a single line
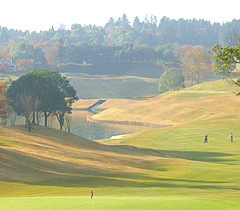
[(205, 138), (231, 137)]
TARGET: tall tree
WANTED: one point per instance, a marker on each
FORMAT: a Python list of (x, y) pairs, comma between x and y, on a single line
[(195, 62), (59, 95), (23, 98), (171, 79)]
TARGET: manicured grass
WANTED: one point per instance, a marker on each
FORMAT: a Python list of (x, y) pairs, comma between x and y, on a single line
[(90, 87), (162, 167), (198, 169), (205, 101), (167, 168), (132, 202)]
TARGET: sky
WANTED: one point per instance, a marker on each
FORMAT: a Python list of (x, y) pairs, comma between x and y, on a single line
[(42, 15)]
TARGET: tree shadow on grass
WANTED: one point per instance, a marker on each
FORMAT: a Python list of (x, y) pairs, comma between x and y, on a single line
[(215, 157), (131, 181), (45, 171)]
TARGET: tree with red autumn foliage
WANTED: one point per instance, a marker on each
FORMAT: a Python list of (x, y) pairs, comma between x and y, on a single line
[(195, 62)]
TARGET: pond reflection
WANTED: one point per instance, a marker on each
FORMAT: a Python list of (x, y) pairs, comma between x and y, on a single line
[(90, 130), (96, 131)]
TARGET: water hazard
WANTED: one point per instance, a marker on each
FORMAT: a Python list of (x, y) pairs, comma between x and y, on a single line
[(90, 130)]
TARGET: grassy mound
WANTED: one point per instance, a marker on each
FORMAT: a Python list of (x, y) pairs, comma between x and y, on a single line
[(205, 101), (47, 161)]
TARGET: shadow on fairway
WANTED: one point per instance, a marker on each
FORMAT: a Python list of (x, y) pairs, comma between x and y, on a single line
[(216, 157)]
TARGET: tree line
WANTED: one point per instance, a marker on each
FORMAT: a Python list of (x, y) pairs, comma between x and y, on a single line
[(116, 44), (150, 31), (64, 57)]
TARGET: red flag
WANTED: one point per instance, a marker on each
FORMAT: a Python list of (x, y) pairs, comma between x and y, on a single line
[(91, 194)]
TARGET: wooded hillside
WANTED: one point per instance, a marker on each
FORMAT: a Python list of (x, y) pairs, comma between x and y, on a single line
[(116, 48)]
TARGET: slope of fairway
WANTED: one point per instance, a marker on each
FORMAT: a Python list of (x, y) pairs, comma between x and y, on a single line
[(212, 169), (52, 162), (169, 168), (90, 87), (171, 165), (210, 100)]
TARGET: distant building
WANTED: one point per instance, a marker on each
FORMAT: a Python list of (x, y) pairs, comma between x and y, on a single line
[(10, 66)]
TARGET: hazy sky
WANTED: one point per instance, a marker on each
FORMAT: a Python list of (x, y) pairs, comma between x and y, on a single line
[(43, 14)]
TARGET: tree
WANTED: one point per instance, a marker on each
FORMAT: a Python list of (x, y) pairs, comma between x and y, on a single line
[(4, 54), (44, 91), (23, 51), (28, 105), (57, 95), (68, 122), (137, 25), (4, 36), (4, 109), (225, 60), (195, 62), (171, 79), (23, 97), (110, 23)]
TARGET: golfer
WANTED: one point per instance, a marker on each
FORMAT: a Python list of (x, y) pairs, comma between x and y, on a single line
[(231, 137), (205, 138)]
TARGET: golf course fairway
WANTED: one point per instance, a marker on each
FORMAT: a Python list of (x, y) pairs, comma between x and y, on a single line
[(164, 168)]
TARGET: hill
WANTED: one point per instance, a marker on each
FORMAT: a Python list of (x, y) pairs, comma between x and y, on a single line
[(52, 162), (208, 100), (112, 86), (169, 167)]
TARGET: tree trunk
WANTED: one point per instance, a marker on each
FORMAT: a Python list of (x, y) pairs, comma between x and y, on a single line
[(46, 116), (197, 80), (29, 126), (61, 120), (37, 118), (33, 120)]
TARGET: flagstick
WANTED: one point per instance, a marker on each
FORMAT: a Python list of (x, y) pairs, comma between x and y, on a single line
[(93, 202)]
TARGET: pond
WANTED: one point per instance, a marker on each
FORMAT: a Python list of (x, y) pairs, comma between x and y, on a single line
[(89, 130)]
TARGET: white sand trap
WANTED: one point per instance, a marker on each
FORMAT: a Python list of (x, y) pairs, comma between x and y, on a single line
[(117, 137)]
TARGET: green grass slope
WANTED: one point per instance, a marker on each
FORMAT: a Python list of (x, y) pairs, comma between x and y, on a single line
[(205, 170), (205, 101), (167, 168), (52, 162), (89, 87), (170, 168)]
